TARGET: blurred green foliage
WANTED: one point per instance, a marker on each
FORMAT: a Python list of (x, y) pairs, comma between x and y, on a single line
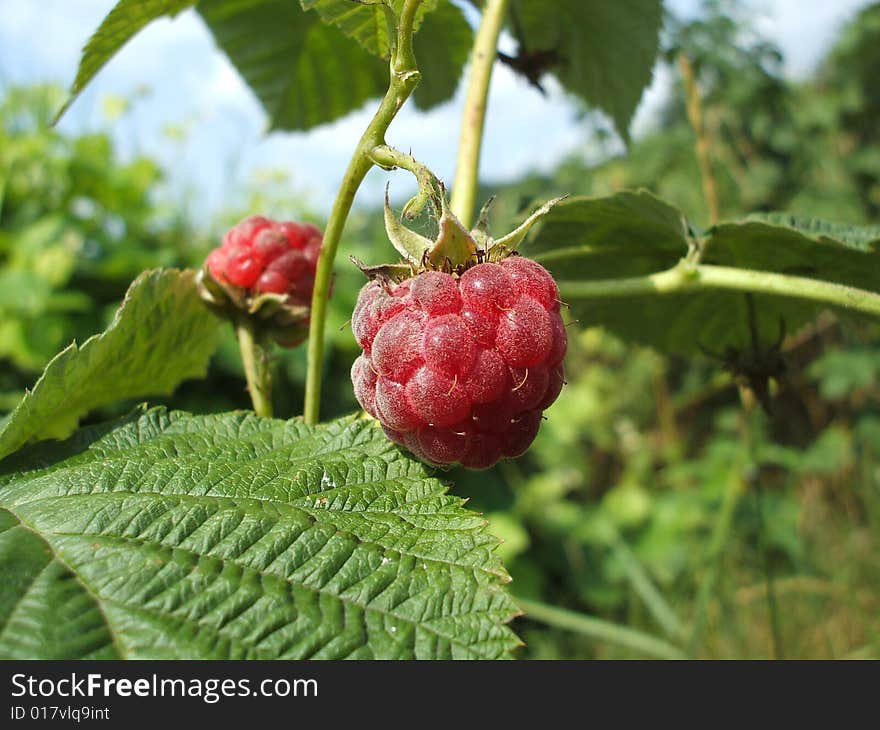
[(659, 495)]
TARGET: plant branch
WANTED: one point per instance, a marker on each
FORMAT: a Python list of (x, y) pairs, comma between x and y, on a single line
[(687, 277), (642, 584), (695, 116), (600, 630), (464, 188), (255, 359), (404, 78), (717, 542), (430, 188), (769, 578), (756, 486)]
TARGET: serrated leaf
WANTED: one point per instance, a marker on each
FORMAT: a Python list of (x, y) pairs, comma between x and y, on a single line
[(442, 48), (606, 49), (232, 536), (120, 25), (304, 72), (366, 22), (161, 335), (635, 234), (857, 236), (626, 234)]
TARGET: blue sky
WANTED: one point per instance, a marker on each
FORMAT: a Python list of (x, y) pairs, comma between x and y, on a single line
[(188, 83)]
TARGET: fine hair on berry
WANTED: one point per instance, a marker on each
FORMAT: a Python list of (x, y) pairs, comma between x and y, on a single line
[(264, 256), (458, 369)]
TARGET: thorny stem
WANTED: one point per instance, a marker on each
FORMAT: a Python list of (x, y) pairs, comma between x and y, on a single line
[(464, 188), (686, 277), (404, 79), (255, 359), (695, 116)]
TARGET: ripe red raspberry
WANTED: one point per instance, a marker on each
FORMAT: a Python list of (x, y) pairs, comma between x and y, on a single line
[(459, 369), (265, 256)]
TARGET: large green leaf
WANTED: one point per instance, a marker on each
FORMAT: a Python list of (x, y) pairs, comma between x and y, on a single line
[(166, 535), (305, 72), (635, 234), (122, 23), (626, 234), (367, 22), (161, 335), (442, 48), (606, 49)]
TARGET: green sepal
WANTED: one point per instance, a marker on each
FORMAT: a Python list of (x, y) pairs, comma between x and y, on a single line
[(384, 273), (480, 233), (409, 244), (509, 243), (454, 247), (273, 315)]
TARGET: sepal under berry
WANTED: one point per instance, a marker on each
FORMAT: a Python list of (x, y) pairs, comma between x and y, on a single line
[(272, 315), (454, 248)]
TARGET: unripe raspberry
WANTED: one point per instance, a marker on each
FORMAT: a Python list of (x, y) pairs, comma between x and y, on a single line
[(459, 369), (264, 257)]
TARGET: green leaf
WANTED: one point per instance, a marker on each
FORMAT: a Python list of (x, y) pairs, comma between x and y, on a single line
[(627, 234), (631, 235), (165, 535), (161, 335), (304, 72), (606, 49), (120, 26), (366, 22), (860, 237), (442, 48), (817, 249)]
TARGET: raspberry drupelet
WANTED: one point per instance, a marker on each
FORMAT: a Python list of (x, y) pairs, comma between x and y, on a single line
[(265, 256), (458, 369)]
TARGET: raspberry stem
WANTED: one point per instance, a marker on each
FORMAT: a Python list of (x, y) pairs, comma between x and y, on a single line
[(404, 78), (255, 358), (464, 189)]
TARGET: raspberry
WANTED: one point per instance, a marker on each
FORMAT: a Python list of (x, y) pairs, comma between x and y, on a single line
[(265, 256), (243, 267), (459, 369)]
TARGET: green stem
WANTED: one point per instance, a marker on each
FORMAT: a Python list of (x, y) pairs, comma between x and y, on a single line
[(403, 81), (595, 628), (687, 277), (464, 188), (256, 368), (430, 188), (695, 116), (643, 585), (717, 543), (769, 579), (762, 547)]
